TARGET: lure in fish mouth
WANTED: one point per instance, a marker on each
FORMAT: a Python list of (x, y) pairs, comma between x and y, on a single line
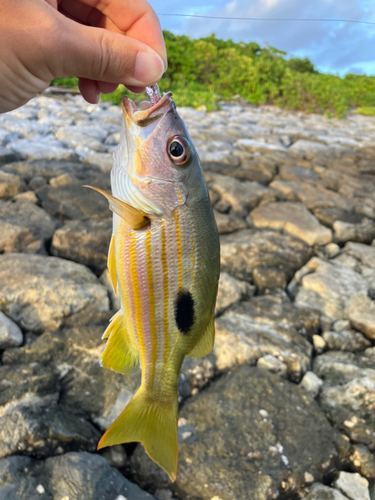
[(164, 263)]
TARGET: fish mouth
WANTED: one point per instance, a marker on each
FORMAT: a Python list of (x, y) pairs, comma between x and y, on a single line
[(147, 113)]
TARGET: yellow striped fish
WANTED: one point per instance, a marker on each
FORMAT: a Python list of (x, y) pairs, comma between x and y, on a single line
[(164, 263)]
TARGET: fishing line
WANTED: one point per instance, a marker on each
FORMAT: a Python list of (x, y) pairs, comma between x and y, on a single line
[(268, 18)]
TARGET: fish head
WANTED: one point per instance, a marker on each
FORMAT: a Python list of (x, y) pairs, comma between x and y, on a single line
[(156, 166)]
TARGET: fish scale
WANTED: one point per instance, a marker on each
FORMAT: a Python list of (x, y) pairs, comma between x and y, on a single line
[(164, 263)]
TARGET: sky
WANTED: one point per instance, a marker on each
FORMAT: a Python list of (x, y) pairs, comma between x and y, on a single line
[(337, 48)]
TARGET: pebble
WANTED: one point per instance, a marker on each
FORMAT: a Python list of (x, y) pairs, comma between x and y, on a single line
[(353, 486), (311, 383)]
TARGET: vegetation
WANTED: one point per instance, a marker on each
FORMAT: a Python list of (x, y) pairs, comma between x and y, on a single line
[(207, 70)]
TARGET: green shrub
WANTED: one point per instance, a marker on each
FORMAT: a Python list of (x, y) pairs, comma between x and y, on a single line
[(206, 70)]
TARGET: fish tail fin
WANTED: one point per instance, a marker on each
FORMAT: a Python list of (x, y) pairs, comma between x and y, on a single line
[(152, 423)]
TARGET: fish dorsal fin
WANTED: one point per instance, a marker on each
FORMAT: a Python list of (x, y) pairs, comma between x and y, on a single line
[(206, 342), (120, 355), (111, 263), (131, 215)]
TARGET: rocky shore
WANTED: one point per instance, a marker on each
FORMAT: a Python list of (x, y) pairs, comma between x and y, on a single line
[(283, 408)]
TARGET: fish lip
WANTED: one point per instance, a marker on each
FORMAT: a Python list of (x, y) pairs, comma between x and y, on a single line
[(143, 117)]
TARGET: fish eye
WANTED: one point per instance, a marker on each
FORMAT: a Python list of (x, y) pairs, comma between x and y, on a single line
[(178, 150)]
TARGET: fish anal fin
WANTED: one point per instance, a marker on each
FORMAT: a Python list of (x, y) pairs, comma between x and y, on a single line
[(133, 217), (120, 355), (154, 425), (111, 263), (205, 343)]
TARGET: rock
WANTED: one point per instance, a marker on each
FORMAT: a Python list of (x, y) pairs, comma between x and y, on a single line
[(363, 461), (226, 428), (104, 161), (364, 232), (361, 313), (273, 365), (10, 333), (352, 485), (296, 173), (73, 202), (311, 383), (228, 223), (346, 340), (10, 185), (363, 253), (116, 456), (295, 219), (330, 215), (86, 242), (243, 335), (243, 251), (52, 290), (26, 196), (43, 148), (266, 278), (231, 291), (37, 183), (251, 146), (24, 227), (309, 149), (319, 344), (40, 427), (321, 492), (332, 250), (7, 156), (328, 286), (241, 196), (73, 475)]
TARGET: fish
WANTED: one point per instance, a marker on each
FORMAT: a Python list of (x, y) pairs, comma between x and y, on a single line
[(164, 262)]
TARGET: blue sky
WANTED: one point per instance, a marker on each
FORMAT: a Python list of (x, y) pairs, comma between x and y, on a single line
[(337, 48)]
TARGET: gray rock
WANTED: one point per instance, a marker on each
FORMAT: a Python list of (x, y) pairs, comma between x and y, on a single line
[(85, 242), (53, 290), (309, 149), (103, 161), (311, 383), (228, 223), (332, 250), (231, 291), (24, 227), (352, 485), (329, 215), (321, 492), (363, 253), (231, 442), (266, 278), (273, 365), (328, 286), (243, 251), (10, 185), (10, 333), (363, 461), (296, 173), (7, 156), (43, 148), (40, 427), (295, 219), (361, 313), (346, 340), (73, 475), (73, 202), (364, 232)]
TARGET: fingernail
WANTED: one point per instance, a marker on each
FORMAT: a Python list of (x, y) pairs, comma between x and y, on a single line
[(149, 67)]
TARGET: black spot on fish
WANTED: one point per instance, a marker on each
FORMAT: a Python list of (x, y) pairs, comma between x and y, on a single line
[(184, 311)]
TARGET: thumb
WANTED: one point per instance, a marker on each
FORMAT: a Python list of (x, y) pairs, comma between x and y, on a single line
[(106, 56)]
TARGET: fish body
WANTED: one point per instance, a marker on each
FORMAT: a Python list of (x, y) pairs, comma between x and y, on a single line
[(164, 263)]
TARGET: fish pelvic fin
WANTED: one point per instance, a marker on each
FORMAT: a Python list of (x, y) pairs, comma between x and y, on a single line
[(111, 263), (151, 422), (120, 354), (205, 343), (132, 216)]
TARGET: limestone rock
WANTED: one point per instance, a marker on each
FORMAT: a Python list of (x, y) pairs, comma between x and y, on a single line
[(352, 485), (273, 365), (346, 340), (309, 149), (231, 440), (7, 155), (24, 227), (72, 475), (103, 161), (363, 253), (228, 223), (311, 383), (363, 461), (266, 278), (230, 291), (10, 333), (52, 290), (295, 219), (361, 313), (329, 287), (364, 232), (43, 148), (10, 185), (243, 251), (321, 492), (85, 242)]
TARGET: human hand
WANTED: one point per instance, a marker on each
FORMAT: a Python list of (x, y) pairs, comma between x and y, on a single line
[(103, 42)]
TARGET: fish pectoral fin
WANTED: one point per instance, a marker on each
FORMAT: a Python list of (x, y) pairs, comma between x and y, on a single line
[(131, 215), (111, 263), (120, 355), (206, 342), (154, 425)]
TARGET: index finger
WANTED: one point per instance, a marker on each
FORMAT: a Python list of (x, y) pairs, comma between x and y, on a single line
[(133, 18)]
